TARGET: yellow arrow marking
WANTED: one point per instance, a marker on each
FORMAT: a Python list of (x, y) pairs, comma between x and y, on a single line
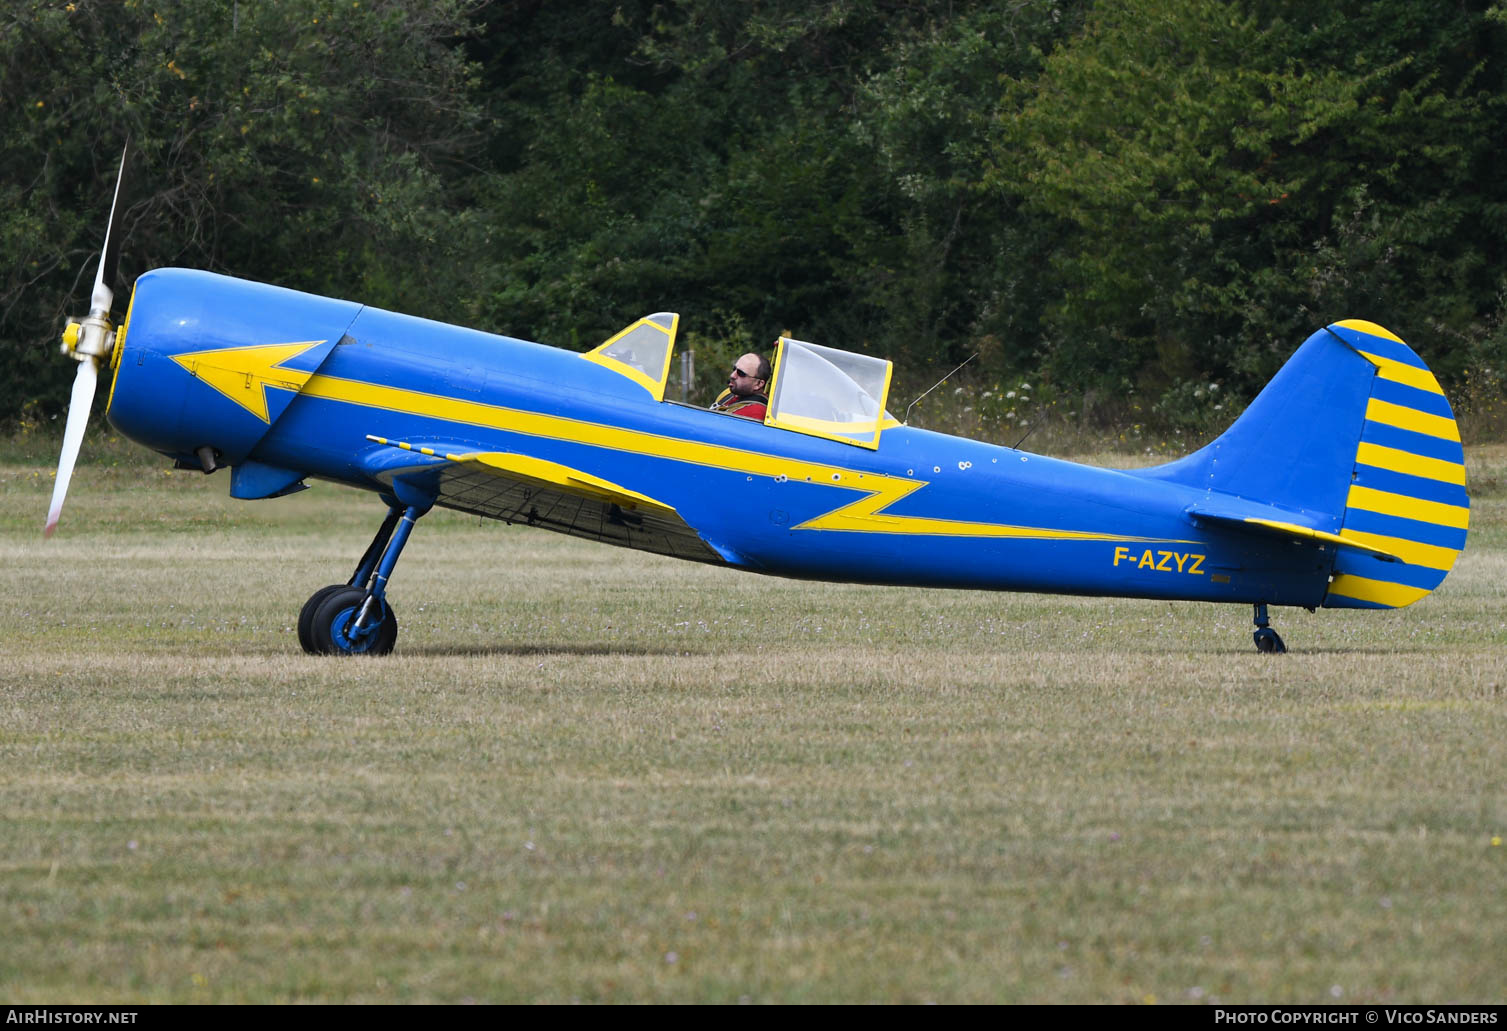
[(243, 374)]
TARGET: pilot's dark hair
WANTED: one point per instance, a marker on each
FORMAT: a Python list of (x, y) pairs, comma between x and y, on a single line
[(764, 369)]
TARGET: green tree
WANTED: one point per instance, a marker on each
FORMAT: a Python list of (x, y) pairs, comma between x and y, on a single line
[(811, 167), (321, 144), (1229, 176)]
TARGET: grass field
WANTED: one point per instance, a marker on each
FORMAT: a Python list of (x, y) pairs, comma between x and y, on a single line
[(589, 774)]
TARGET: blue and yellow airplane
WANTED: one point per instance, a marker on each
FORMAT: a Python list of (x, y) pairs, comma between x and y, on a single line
[(1342, 485)]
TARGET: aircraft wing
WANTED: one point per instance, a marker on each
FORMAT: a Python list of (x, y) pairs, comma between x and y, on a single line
[(519, 488), (1258, 518)]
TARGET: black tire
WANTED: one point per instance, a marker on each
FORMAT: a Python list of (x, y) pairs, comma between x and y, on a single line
[(333, 618), (306, 617), (1268, 642)]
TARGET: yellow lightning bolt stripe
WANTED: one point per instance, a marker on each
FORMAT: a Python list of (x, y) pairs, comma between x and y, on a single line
[(243, 374), (862, 515)]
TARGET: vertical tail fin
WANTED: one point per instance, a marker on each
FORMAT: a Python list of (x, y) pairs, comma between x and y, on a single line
[(1352, 437), (1408, 495)]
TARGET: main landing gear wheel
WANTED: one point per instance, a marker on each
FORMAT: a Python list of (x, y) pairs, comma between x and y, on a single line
[(1268, 642), (333, 627), (354, 618), (306, 616)]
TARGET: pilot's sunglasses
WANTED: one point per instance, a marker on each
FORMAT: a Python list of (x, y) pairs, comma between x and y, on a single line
[(744, 375)]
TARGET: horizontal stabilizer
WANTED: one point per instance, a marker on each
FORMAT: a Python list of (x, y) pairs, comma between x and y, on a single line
[(1264, 519), (520, 488)]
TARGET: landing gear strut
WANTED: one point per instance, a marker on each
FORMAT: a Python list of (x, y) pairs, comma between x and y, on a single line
[(354, 618), (1267, 640)]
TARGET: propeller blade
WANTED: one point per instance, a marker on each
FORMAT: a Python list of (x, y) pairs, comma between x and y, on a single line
[(73, 437), (109, 255), (89, 343)]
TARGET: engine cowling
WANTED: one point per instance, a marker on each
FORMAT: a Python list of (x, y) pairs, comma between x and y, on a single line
[(207, 361)]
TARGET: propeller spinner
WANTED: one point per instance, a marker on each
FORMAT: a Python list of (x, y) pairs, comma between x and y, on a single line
[(89, 342)]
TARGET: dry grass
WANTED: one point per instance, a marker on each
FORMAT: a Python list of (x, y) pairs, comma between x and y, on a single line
[(596, 775)]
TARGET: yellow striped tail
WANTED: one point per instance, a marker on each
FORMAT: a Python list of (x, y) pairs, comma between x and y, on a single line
[(1407, 494)]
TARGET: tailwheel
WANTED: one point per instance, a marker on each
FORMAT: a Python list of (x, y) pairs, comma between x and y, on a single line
[(344, 624), (306, 616), (1268, 642)]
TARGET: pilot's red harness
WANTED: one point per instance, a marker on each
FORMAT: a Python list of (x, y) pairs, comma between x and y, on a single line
[(750, 406)]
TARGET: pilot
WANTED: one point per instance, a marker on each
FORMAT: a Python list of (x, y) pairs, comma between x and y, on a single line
[(745, 388)]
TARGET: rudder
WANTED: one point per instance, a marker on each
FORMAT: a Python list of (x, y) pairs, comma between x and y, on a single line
[(1407, 494)]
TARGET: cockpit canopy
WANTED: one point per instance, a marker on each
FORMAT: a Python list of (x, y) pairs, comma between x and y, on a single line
[(829, 393), (816, 390), (642, 351)]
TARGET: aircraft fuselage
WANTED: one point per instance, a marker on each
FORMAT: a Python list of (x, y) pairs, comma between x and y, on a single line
[(284, 386)]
